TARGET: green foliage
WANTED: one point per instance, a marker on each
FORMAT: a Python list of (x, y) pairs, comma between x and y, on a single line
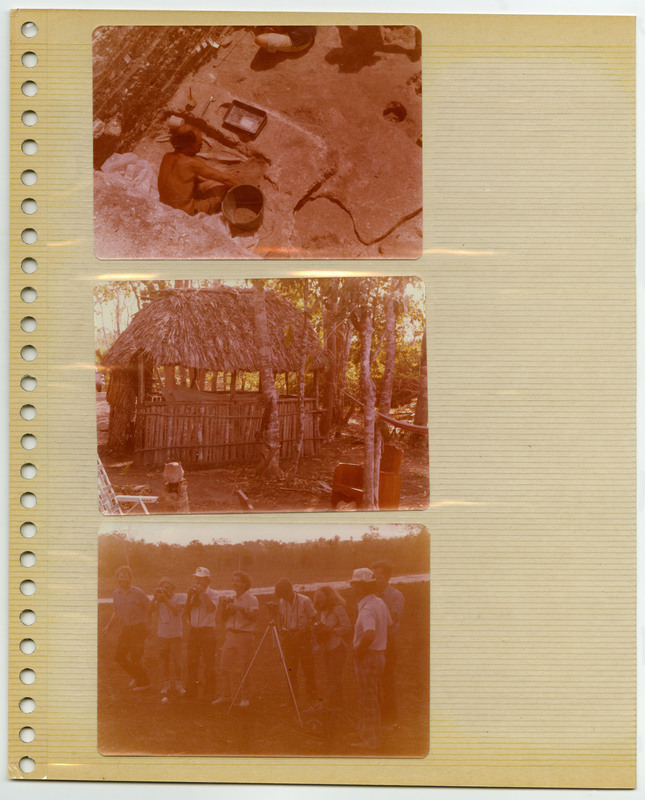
[(267, 561)]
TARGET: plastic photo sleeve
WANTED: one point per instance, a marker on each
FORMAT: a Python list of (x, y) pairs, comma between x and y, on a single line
[(322, 399)]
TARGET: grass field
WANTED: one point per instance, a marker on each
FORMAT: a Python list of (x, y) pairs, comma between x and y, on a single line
[(139, 723)]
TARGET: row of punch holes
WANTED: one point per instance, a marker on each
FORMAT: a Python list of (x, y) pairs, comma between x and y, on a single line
[(28, 383)]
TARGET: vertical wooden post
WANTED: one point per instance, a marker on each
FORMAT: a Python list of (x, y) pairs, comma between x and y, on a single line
[(233, 382), (142, 380), (169, 378), (316, 388)]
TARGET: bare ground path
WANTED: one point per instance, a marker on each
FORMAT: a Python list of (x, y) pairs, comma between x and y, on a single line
[(213, 490)]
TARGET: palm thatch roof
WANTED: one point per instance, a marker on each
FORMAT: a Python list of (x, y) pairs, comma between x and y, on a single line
[(214, 329)]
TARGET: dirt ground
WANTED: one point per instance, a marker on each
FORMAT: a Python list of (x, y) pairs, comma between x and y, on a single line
[(338, 161), (140, 723), (215, 490)]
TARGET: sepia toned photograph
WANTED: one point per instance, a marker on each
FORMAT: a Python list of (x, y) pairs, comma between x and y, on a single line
[(234, 142), (296, 394), (235, 639)]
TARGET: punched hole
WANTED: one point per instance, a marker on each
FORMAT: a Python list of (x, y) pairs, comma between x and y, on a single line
[(29, 29), (29, 236), (27, 734), (29, 205), (27, 705), (28, 530), (29, 88), (28, 588), (28, 441), (27, 647), (29, 118), (28, 352), (29, 147), (29, 59), (28, 471), (28, 383), (29, 177), (27, 617), (28, 500), (27, 676), (28, 294), (29, 265), (27, 559), (27, 764), (28, 324), (28, 412)]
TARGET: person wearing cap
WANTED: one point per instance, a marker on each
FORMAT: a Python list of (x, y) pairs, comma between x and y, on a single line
[(370, 641), (240, 617), (200, 612), (395, 602), (297, 615), (130, 609), (186, 181)]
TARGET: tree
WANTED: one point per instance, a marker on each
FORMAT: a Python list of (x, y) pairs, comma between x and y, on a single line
[(421, 410), (362, 320), (270, 466), (301, 380)]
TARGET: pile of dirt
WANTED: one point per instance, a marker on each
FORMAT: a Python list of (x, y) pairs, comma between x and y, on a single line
[(130, 223)]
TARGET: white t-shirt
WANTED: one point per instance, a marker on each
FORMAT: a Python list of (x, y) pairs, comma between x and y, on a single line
[(372, 616)]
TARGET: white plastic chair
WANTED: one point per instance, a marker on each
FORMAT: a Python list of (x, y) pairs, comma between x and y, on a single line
[(111, 503)]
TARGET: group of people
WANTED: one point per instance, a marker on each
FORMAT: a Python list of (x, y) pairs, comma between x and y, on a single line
[(307, 629)]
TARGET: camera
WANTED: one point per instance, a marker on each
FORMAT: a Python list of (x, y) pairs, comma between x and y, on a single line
[(273, 607)]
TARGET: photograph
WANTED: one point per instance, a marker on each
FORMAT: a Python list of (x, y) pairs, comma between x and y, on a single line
[(287, 394), (258, 640), (243, 142)]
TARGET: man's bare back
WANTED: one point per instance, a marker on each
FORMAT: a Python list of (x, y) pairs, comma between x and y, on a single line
[(180, 174)]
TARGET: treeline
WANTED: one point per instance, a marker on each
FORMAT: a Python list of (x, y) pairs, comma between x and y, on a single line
[(265, 560)]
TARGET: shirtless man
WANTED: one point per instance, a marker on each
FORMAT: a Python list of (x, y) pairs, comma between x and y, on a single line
[(187, 181)]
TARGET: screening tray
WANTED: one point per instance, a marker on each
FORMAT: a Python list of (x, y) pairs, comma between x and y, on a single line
[(244, 118)]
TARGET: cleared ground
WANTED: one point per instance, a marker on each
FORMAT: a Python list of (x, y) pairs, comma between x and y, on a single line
[(139, 723)]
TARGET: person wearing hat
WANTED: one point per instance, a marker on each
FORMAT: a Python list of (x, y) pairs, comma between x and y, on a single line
[(395, 603), (200, 612), (370, 641), (130, 608), (297, 615)]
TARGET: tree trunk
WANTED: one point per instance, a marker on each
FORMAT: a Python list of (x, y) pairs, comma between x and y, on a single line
[(341, 372), (385, 395), (329, 389), (271, 430), (421, 410), (301, 383), (368, 396)]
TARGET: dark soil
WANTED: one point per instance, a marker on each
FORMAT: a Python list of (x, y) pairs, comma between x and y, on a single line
[(214, 490)]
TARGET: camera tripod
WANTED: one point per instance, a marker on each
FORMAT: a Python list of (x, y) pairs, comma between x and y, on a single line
[(276, 638)]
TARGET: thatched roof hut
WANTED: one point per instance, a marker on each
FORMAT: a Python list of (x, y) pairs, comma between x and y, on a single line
[(213, 329), (164, 390)]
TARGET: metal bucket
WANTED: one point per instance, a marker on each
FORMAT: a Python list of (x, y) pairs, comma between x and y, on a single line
[(243, 207)]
